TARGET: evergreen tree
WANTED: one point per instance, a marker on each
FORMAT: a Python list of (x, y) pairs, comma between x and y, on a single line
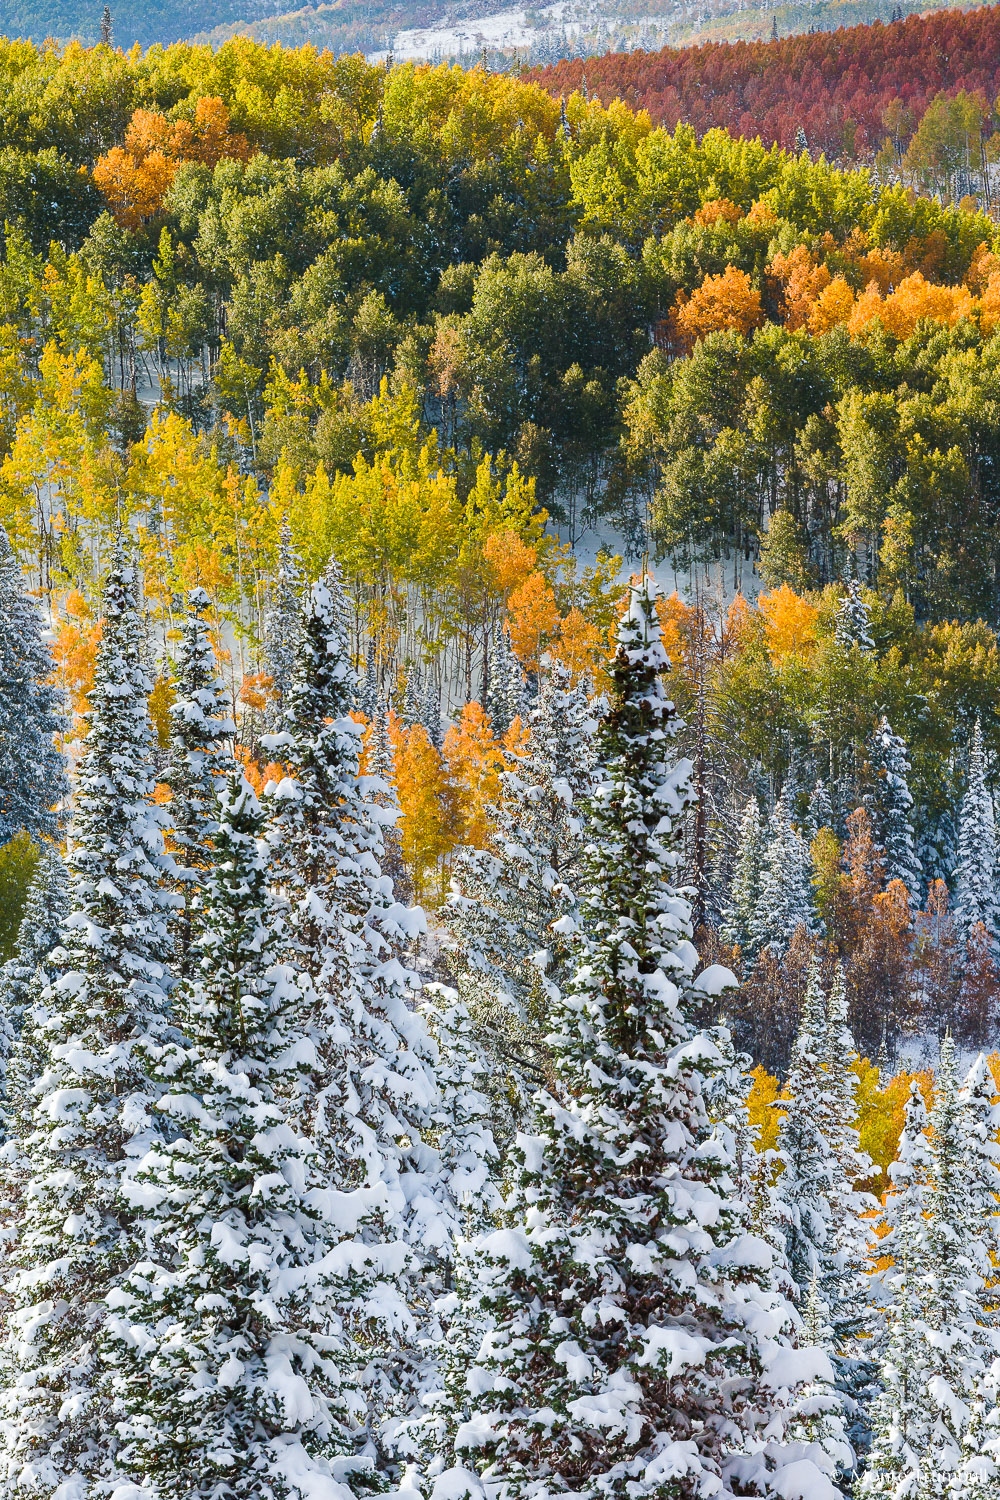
[(284, 622), (900, 1419), (431, 712), (738, 917), (505, 901), (820, 814), (976, 895), (823, 1213), (26, 973), (78, 1233), (809, 1170), (198, 756), (505, 694), (847, 1283), (627, 1307), (853, 622), (890, 806), (936, 1426), (382, 767), (960, 1322), (785, 899), (32, 771), (463, 1130), (368, 694), (371, 1101), (413, 698), (237, 1345)]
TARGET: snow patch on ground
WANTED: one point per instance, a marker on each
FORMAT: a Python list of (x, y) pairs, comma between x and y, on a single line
[(507, 28)]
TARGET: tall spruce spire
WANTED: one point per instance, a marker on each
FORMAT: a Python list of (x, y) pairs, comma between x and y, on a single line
[(623, 1296)]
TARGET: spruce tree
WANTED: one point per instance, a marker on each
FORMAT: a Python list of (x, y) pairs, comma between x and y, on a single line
[(936, 1425), (825, 1217), (78, 1232), (901, 1423), (820, 814), (890, 806), (32, 771), (785, 898), (368, 693), (198, 756), (848, 1283), (413, 698), (505, 694), (960, 1318), (237, 1345), (506, 901), (853, 624), (626, 1355), (809, 1171), (371, 1099), (738, 925), (976, 895), (464, 1136), (25, 974), (281, 637)]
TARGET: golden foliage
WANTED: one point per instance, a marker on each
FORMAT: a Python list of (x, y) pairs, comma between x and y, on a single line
[(789, 621), (727, 301)]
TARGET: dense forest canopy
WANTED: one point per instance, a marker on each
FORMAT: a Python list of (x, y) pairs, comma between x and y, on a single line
[(270, 308), (845, 90), (338, 406), (145, 23)]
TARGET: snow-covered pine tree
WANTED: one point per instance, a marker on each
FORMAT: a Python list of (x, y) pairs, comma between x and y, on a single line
[(431, 711), (464, 1137), (504, 900), (980, 1160), (462, 1126), (237, 1347), (281, 638), (820, 814), (505, 694), (198, 755), (370, 1104), (413, 698), (847, 1283), (960, 1310), (634, 1349), (32, 771), (24, 976), (785, 898), (847, 1286), (808, 1168), (890, 806), (976, 896), (901, 1420), (381, 766), (77, 1234), (853, 621), (368, 693), (738, 914)]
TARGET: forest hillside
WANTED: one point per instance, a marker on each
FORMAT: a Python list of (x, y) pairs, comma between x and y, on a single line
[(843, 93), (499, 767)]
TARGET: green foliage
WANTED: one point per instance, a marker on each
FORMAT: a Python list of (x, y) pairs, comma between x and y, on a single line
[(18, 859)]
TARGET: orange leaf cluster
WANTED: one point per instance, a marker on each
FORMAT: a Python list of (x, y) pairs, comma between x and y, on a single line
[(727, 301), (789, 621), (135, 177), (430, 822), (74, 651)]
